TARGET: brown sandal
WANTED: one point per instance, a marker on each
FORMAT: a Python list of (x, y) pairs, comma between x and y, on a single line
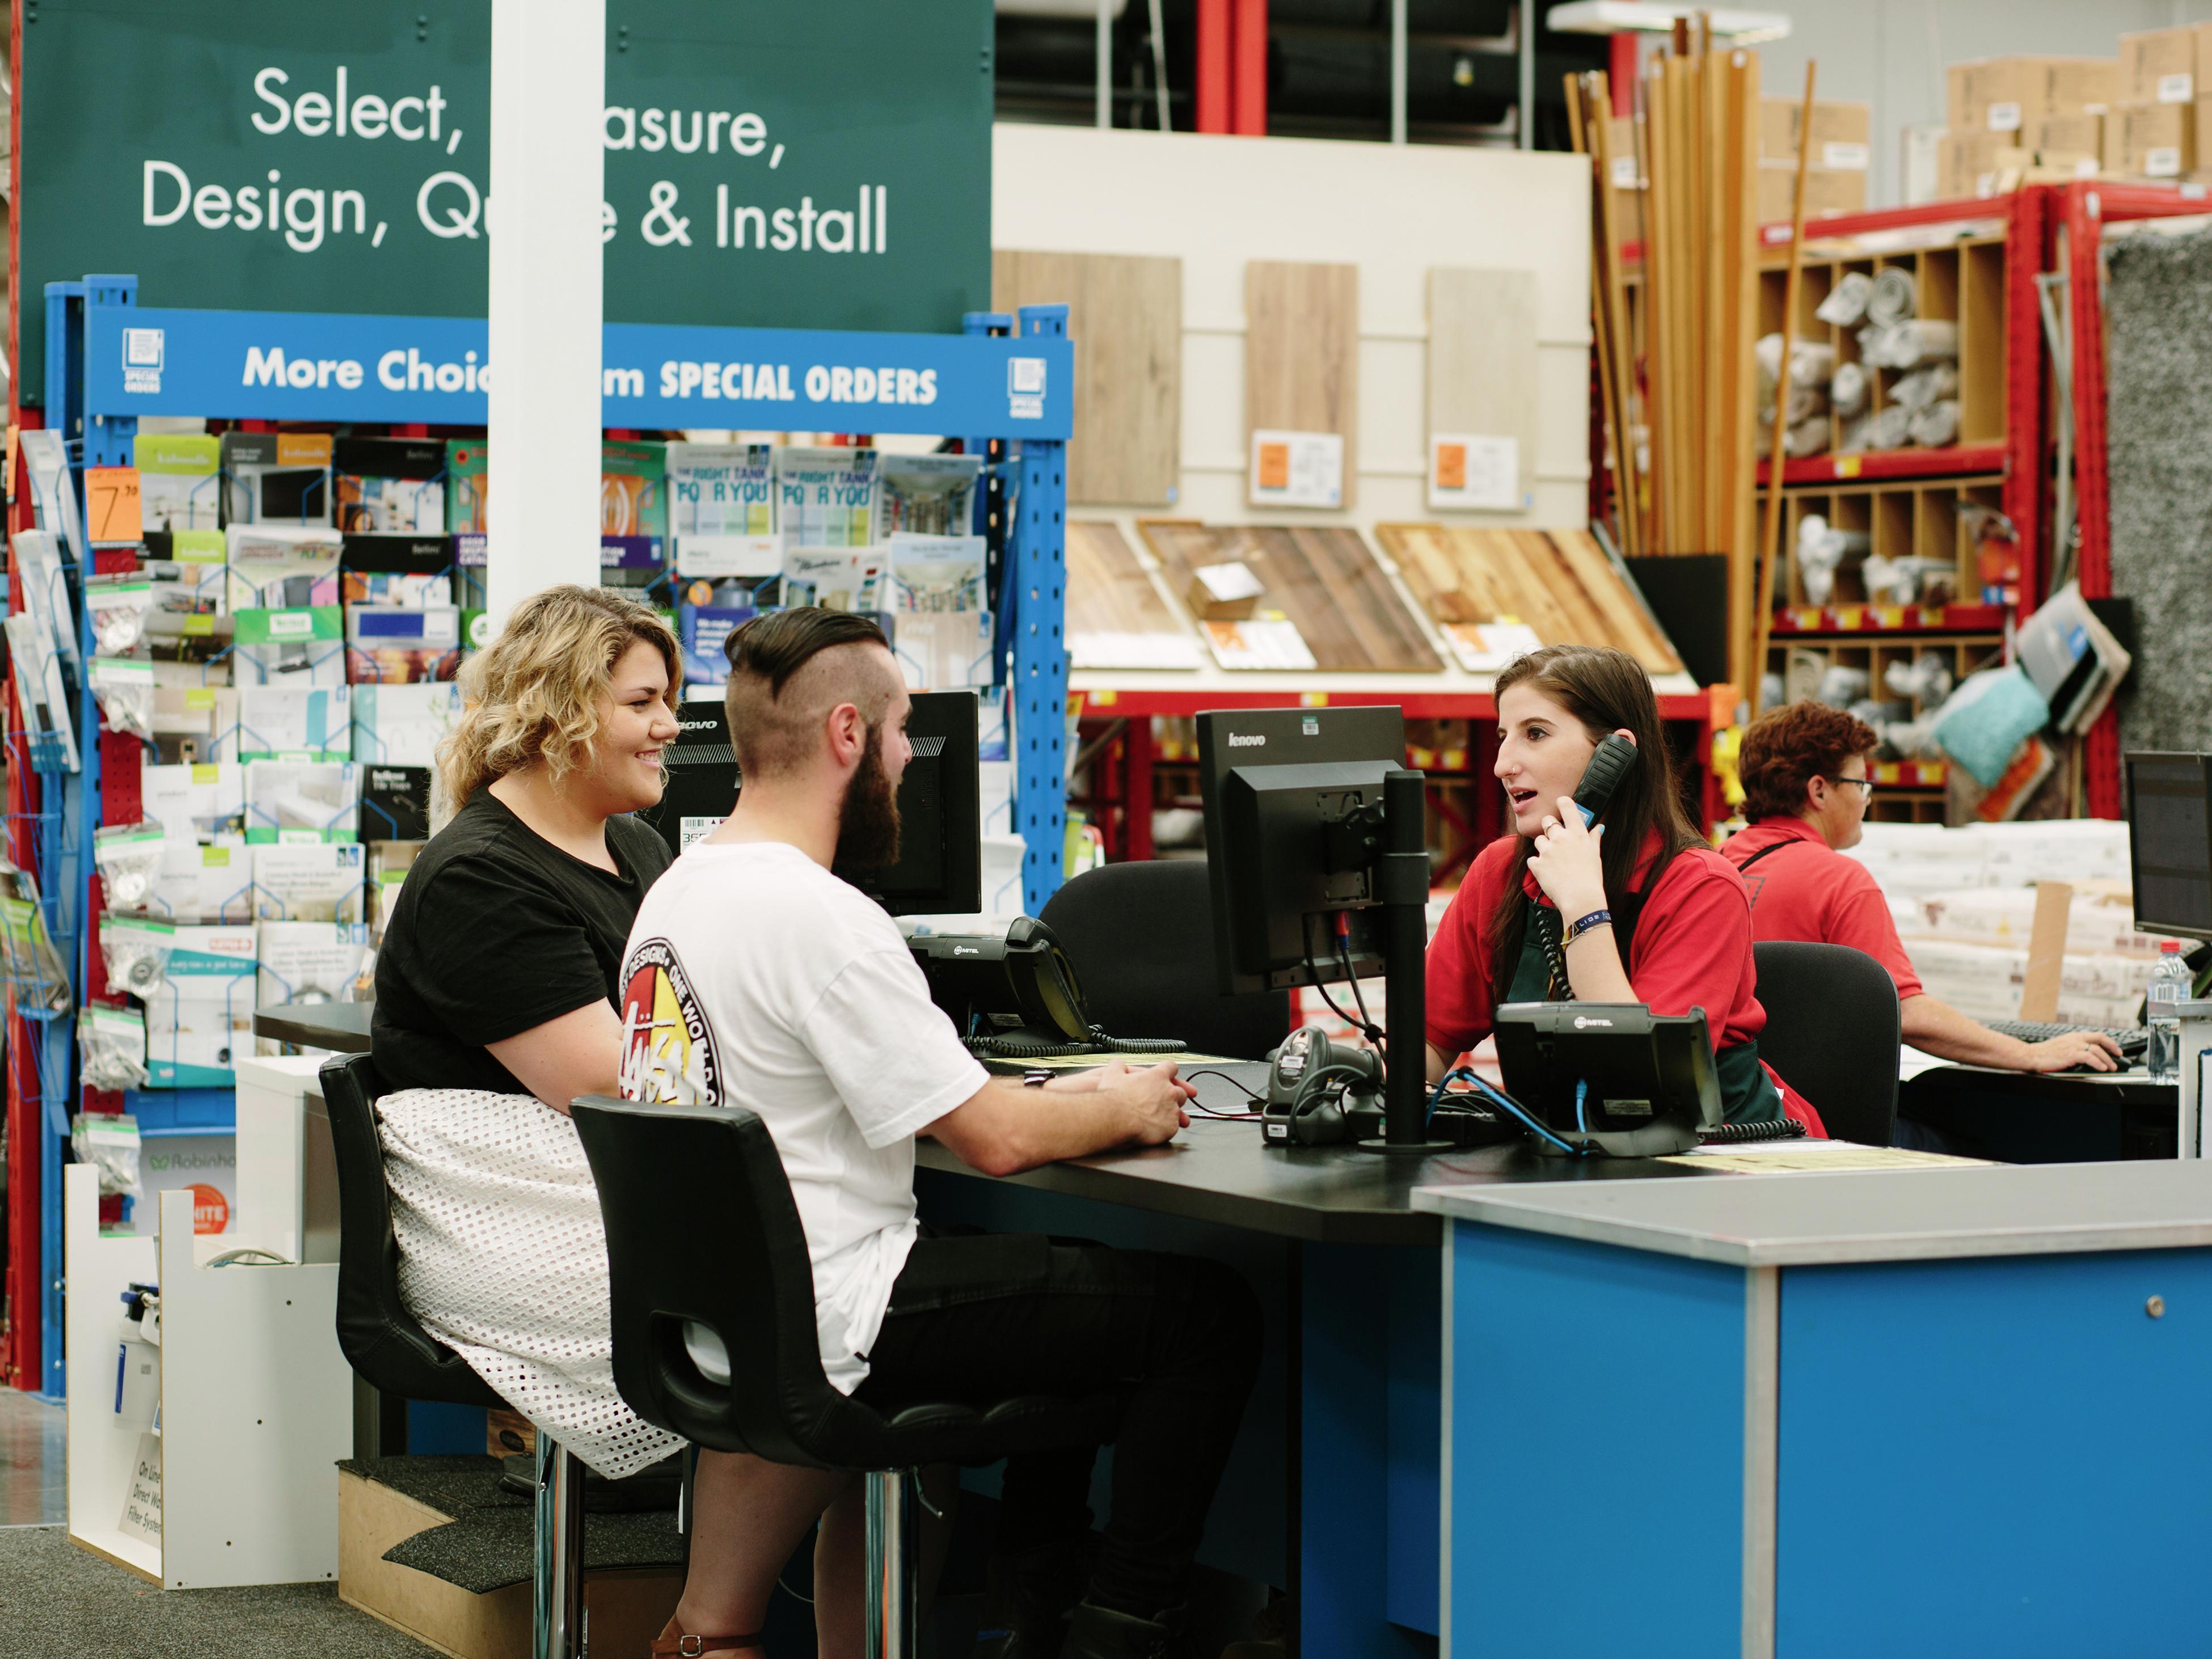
[(674, 1641)]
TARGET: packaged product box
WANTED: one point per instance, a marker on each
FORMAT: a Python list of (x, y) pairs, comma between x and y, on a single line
[(2003, 95), (389, 861), (276, 477), (1840, 133), (179, 480), (291, 802), (633, 488), (720, 490), (1828, 192), (203, 805), (1967, 163), (321, 961), (195, 724), (2065, 135), (402, 724), (466, 481), (317, 883), (202, 885), (2165, 66), (403, 571), (202, 1013), (282, 567), (2151, 141), (294, 722), (390, 485), (289, 648), (825, 497), (395, 804)]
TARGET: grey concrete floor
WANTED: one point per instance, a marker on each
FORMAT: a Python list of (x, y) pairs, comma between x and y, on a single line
[(34, 1466)]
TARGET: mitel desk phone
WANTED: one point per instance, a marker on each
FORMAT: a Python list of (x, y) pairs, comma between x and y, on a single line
[(1013, 995)]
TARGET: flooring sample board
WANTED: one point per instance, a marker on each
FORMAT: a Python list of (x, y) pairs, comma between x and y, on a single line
[(1558, 583), (1482, 367), (2160, 467), (1116, 616), (1323, 581), (1125, 315), (1302, 355)]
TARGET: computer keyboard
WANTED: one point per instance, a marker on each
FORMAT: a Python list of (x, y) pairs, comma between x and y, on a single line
[(2132, 1041)]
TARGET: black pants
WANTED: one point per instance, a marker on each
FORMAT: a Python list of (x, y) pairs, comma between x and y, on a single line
[(976, 1317)]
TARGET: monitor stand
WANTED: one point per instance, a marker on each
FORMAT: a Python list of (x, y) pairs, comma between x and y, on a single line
[(1402, 884)]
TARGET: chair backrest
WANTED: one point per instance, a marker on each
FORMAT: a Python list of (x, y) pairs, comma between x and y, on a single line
[(380, 1337), (701, 1229), (1141, 937), (1832, 1032)]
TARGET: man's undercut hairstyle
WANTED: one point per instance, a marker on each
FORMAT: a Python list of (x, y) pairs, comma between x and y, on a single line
[(789, 669), (1786, 749)]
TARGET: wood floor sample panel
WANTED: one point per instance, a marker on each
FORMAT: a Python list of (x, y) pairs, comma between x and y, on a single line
[(1125, 315), (1482, 358), (1323, 578), (1116, 616), (1559, 583), (1302, 355)]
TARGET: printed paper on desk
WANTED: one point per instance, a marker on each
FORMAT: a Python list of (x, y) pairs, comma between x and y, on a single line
[(1472, 472), (1296, 469), (1260, 643)]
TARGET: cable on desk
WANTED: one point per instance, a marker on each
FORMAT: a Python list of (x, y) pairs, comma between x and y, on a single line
[(1241, 1087)]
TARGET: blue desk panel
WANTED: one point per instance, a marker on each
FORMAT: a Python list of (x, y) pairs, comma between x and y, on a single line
[(1597, 1443), (1995, 1457)]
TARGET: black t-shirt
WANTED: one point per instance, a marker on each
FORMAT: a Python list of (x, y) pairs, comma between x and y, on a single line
[(497, 930)]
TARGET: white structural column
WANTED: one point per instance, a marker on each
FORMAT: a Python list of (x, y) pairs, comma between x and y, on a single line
[(548, 89)]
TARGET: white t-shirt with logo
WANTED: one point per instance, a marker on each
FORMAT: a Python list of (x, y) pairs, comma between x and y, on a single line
[(756, 978)]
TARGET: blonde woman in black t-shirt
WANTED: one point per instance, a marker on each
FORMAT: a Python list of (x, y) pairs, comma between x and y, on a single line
[(496, 998)]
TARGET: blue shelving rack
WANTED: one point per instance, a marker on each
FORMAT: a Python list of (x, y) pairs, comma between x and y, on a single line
[(1030, 641)]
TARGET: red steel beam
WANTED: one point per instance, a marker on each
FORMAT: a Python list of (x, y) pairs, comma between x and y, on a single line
[(1248, 72), (1213, 66)]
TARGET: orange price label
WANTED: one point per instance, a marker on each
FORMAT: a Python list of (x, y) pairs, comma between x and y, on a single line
[(110, 505), (1274, 466)]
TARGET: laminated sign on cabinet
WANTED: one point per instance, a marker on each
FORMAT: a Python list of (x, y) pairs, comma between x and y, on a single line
[(1115, 617), (1482, 389), (1301, 374), (1125, 315), (1493, 590), (1322, 581)]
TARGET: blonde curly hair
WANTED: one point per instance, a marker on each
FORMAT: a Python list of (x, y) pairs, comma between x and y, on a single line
[(534, 693)]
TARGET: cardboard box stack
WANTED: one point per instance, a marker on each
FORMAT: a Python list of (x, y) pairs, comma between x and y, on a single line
[(1835, 176), (2007, 114), (2152, 130)]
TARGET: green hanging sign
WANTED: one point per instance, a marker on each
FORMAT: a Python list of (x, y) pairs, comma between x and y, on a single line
[(823, 166)]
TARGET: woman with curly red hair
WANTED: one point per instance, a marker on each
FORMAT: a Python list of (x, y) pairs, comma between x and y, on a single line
[(1805, 786)]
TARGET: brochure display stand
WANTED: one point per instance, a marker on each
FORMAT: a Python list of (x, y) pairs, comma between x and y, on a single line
[(111, 361)]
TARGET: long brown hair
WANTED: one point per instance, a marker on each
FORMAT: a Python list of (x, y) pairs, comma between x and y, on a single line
[(1606, 691)]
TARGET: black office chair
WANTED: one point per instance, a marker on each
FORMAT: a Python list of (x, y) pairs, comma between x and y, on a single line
[(391, 1351), (1832, 1033), (1141, 937), (660, 1170)]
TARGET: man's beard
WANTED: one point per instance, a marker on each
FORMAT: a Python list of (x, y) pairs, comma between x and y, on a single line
[(868, 823)]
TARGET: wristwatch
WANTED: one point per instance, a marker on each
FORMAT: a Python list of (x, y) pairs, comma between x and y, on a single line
[(1036, 1077)]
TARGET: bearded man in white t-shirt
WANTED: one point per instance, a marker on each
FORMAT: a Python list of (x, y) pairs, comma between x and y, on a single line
[(755, 977)]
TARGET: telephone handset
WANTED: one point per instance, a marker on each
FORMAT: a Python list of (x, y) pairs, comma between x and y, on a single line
[(1615, 759)]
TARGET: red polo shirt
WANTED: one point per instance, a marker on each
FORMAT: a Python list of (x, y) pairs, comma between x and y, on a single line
[(1813, 893), (1691, 949)]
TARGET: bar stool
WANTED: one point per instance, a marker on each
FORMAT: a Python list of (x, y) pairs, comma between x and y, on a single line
[(745, 1310), (392, 1353)]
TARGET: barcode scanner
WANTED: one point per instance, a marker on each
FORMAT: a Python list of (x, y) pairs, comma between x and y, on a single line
[(1615, 759)]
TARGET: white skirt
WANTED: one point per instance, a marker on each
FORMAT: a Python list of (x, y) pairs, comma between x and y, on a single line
[(503, 1258)]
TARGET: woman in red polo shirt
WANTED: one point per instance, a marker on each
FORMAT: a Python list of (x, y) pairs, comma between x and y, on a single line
[(1805, 786), (1638, 909)]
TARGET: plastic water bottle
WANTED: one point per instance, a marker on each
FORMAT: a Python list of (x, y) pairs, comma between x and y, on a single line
[(2169, 988)]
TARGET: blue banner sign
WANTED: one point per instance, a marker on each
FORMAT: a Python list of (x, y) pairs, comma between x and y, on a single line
[(307, 365)]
